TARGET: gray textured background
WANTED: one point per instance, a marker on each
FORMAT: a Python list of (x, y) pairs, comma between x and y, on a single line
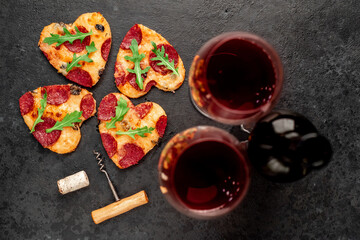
[(318, 42)]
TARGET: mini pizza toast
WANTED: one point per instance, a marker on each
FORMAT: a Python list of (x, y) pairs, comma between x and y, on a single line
[(161, 73), (64, 103), (82, 61), (128, 132)]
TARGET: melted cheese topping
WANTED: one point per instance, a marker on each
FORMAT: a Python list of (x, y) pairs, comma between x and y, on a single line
[(168, 82), (69, 138), (60, 58), (132, 120)]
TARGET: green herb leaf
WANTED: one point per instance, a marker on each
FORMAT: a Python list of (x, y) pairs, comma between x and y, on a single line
[(136, 59), (67, 37), (67, 121), (164, 59), (91, 48), (121, 110), (75, 62), (40, 111), (138, 131)]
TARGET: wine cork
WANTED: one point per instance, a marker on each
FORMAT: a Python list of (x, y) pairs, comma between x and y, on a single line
[(73, 182)]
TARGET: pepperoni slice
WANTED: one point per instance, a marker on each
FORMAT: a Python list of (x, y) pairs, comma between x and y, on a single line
[(173, 56), (26, 103), (143, 109), (120, 80), (46, 139), (131, 78), (78, 46), (161, 125), (149, 85), (87, 105), (109, 144), (119, 75), (133, 154), (46, 55), (56, 94), (107, 107), (133, 33), (105, 49), (80, 76)]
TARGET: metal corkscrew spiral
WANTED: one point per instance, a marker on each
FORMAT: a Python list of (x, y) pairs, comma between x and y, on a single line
[(102, 169), (100, 160)]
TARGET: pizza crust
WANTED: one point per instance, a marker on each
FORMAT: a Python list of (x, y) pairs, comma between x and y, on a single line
[(70, 137), (60, 57), (168, 82), (68, 141), (132, 120)]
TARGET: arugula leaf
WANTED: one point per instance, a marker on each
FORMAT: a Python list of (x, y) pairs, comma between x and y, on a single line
[(67, 121), (91, 48), (121, 110), (75, 62), (164, 59), (136, 59), (40, 111), (138, 131), (67, 37)]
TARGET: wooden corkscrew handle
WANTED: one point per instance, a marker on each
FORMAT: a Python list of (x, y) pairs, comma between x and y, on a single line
[(119, 207)]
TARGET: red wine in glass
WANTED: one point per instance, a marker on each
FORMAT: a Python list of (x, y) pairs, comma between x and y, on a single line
[(235, 78), (208, 175), (203, 173)]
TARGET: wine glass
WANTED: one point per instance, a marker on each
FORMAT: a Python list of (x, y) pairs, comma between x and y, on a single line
[(235, 78), (203, 172)]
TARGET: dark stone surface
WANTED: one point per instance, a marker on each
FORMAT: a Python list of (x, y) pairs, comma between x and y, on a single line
[(319, 43)]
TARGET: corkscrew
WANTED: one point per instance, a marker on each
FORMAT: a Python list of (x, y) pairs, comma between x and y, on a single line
[(102, 169), (119, 206)]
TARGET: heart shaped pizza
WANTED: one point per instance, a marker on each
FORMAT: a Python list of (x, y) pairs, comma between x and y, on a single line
[(55, 113), (79, 50), (146, 59), (128, 132)]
